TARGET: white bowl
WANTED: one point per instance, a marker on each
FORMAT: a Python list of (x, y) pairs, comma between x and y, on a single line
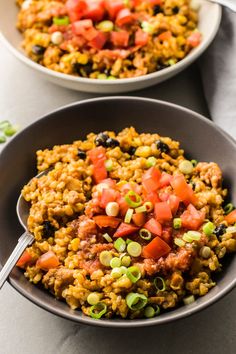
[(209, 21)]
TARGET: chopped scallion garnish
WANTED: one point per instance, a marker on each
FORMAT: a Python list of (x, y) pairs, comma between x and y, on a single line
[(145, 234), (133, 273), (128, 215), (208, 228), (134, 249), (133, 199), (228, 208), (98, 310), (136, 301), (159, 284), (120, 244), (177, 223), (141, 209), (61, 21)]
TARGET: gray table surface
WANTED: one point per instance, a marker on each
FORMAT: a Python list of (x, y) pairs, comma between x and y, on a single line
[(27, 329)]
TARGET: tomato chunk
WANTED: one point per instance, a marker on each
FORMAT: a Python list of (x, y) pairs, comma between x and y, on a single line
[(98, 157), (80, 27), (95, 10), (98, 41), (139, 219), (194, 39), (108, 195), (192, 218), (183, 190), (164, 36), (24, 259), (113, 7), (76, 9), (162, 212), (120, 39), (123, 205), (173, 202), (154, 227), (167, 234), (106, 221), (124, 17), (152, 197), (156, 248), (47, 261), (151, 179), (231, 217), (125, 229), (165, 179), (141, 38)]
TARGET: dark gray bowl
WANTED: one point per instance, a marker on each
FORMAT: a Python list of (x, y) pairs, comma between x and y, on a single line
[(200, 138)]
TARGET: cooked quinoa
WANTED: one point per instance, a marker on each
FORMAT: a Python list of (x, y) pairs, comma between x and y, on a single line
[(115, 236), (108, 39)]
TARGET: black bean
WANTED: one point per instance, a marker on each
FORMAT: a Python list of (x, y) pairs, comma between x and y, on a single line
[(81, 154), (84, 70), (38, 49), (220, 230), (175, 10), (48, 229), (131, 150), (163, 147), (88, 68), (112, 142), (156, 9), (193, 185), (101, 139)]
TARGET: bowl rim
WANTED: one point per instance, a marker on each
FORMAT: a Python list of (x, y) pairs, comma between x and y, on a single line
[(123, 323), (193, 55)]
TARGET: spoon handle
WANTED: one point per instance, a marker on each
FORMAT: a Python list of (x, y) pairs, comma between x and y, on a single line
[(230, 4), (25, 240)]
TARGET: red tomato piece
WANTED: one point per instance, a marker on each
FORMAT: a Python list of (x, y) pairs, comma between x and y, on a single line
[(76, 9), (108, 195), (109, 182), (165, 36), (125, 230), (167, 234), (95, 10), (120, 39), (98, 40), (152, 197), (106, 221), (139, 219), (80, 27), (165, 179), (131, 186), (141, 38), (151, 179), (123, 205), (97, 153), (231, 217), (113, 7), (154, 227), (173, 202), (124, 17), (98, 157), (164, 196), (194, 39), (47, 261), (162, 212), (155, 2), (156, 248), (192, 218), (24, 259), (183, 190)]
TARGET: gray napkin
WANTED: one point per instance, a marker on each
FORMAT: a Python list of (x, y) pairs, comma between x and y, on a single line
[(218, 70)]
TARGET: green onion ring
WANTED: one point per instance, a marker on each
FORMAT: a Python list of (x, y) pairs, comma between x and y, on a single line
[(133, 273), (136, 301), (145, 234), (133, 199), (157, 286), (228, 208), (101, 307)]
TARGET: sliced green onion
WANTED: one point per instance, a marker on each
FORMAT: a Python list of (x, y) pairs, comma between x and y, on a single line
[(151, 161), (133, 199), (102, 77), (134, 249), (3, 139), (128, 215), (120, 244), (123, 269), (147, 27), (109, 164), (61, 21), (179, 242), (177, 223), (228, 208), (189, 300), (136, 301), (191, 236), (4, 124), (231, 229), (149, 312), (107, 237), (98, 310), (125, 261), (159, 284), (205, 252), (149, 206), (208, 228), (141, 209), (105, 258), (115, 262), (93, 298), (186, 167), (194, 163), (105, 26), (11, 130), (116, 272), (133, 273), (111, 78), (128, 241), (145, 234)]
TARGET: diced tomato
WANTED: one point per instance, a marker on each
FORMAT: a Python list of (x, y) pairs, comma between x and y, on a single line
[(123, 205), (165, 179), (141, 38), (139, 219), (96, 154), (167, 234), (231, 217), (155, 2), (151, 179), (98, 41), (130, 186), (106, 221), (120, 39), (125, 230), (76, 9), (109, 182), (113, 7), (165, 36), (90, 34), (183, 190), (80, 27), (95, 10), (154, 227), (192, 218), (124, 17), (24, 259), (164, 196), (162, 212), (152, 197), (98, 157), (108, 195), (47, 261), (194, 39), (173, 202), (156, 248)]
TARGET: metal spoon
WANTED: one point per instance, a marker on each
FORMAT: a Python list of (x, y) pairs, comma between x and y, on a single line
[(230, 4), (26, 239)]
